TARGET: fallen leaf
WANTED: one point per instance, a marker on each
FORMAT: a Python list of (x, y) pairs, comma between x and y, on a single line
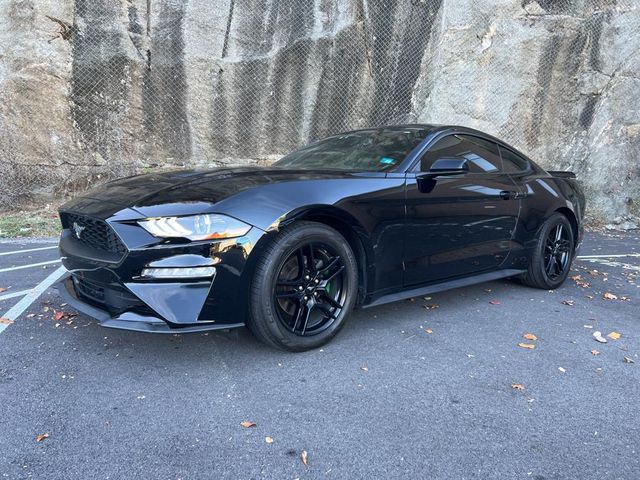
[(42, 436), (628, 360), (364, 369), (517, 386), (579, 281), (57, 315), (428, 330), (598, 336), (595, 352), (268, 439), (530, 346), (248, 424), (571, 303), (6, 321), (2, 289), (561, 369), (609, 296), (495, 302), (304, 456), (614, 335), (529, 336)]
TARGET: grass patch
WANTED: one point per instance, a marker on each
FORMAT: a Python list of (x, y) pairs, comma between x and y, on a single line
[(29, 223)]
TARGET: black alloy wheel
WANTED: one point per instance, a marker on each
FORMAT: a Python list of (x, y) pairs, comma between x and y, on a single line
[(304, 287), (550, 260), (310, 289), (557, 251)]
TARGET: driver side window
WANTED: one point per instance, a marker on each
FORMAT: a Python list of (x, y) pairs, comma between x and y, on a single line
[(482, 156)]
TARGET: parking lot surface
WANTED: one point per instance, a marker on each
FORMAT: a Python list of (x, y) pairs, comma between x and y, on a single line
[(437, 387)]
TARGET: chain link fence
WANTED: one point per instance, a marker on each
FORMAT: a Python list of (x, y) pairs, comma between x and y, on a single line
[(98, 89)]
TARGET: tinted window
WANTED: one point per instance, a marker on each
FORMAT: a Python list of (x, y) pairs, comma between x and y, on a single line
[(482, 156), (513, 162), (369, 150)]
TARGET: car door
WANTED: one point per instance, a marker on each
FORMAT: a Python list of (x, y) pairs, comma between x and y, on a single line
[(461, 223)]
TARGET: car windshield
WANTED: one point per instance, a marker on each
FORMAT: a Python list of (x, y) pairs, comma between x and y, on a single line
[(367, 150)]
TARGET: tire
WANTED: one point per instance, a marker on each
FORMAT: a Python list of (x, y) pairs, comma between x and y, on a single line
[(547, 269), (304, 287)]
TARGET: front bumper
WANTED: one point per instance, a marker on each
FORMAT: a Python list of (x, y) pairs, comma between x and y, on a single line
[(113, 288), (130, 320)]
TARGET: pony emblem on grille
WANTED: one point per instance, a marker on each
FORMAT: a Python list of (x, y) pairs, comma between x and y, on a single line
[(77, 229)]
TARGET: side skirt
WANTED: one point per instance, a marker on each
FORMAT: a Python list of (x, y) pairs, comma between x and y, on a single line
[(439, 287)]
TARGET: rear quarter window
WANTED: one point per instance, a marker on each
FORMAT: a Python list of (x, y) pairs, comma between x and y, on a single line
[(512, 162)]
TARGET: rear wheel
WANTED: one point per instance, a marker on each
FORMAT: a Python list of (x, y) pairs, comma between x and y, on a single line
[(304, 287), (551, 260)]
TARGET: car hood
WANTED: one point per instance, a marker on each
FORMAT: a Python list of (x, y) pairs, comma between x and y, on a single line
[(185, 192)]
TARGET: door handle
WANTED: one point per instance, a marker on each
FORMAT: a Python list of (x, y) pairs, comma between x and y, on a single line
[(508, 195)]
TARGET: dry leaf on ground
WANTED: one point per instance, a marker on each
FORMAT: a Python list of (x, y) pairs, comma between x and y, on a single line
[(517, 386), (579, 281), (595, 352), (598, 336), (495, 302), (530, 346), (304, 456), (6, 321), (529, 336), (614, 335), (248, 424), (609, 296), (42, 436), (428, 330), (2, 289)]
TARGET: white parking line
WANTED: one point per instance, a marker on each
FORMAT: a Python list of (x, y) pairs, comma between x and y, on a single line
[(611, 263), (586, 257), (20, 267), (31, 297), (27, 250), (21, 293)]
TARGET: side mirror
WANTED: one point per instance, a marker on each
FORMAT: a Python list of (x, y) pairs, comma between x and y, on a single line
[(449, 166), (442, 167)]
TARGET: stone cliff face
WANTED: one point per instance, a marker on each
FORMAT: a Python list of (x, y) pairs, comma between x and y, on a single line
[(126, 84)]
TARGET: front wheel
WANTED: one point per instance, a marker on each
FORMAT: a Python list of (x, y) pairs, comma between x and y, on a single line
[(304, 287), (551, 260)]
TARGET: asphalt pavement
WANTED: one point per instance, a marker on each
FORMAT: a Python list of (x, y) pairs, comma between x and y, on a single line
[(434, 388)]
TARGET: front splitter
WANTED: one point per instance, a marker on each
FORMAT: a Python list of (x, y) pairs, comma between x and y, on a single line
[(130, 320)]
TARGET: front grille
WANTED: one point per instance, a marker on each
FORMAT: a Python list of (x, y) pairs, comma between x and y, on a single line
[(111, 297), (94, 233), (89, 290)]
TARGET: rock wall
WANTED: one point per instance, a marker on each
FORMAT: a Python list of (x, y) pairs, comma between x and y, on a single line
[(91, 89)]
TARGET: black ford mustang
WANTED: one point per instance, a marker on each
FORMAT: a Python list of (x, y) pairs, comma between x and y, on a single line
[(357, 219)]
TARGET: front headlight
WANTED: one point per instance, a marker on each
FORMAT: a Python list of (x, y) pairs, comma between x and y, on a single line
[(195, 227)]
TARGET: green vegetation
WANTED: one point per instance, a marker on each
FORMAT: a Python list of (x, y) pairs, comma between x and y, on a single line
[(39, 223)]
